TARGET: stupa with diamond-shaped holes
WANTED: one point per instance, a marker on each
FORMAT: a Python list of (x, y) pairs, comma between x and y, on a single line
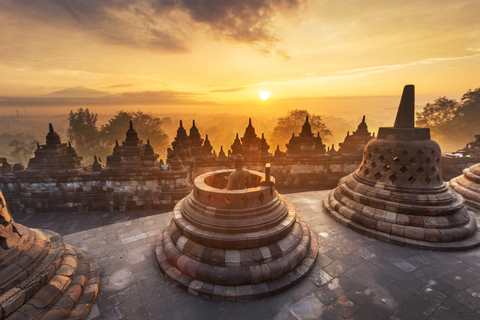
[(397, 195)]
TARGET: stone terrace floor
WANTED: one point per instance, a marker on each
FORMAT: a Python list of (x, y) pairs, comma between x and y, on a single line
[(355, 277)]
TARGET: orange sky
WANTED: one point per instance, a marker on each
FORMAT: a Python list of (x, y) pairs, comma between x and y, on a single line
[(341, 58)]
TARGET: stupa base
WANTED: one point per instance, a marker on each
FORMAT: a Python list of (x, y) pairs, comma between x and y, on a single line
[(63, 284), (239, 292), (468, 185), (333, 211)]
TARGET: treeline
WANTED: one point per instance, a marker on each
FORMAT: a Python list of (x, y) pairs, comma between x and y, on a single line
[(89, 139), (452, 123)]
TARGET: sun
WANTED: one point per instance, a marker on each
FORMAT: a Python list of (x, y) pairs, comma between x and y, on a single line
[(264, 95)]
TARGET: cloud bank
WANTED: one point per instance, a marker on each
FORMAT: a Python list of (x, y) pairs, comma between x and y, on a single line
[(160, 25), (157, 98)]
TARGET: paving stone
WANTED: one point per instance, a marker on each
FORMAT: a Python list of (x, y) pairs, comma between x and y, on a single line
[(162, 300), (310, 307), (344, 306), (405, 266)]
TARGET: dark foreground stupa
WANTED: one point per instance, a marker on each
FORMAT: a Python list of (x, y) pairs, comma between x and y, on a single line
[(235, 244), (41, 277), (397, 195)]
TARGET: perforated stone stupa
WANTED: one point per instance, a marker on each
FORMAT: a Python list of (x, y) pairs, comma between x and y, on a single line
[(397, 195), (41, 277), (235, 245), (468, 185)]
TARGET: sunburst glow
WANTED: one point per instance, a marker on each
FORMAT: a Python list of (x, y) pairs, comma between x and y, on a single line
[(264, 95)]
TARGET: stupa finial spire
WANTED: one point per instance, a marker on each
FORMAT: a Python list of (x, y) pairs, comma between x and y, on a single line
[(406, 110)]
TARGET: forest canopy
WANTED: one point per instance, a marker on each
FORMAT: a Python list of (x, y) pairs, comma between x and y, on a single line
[(451, 121)]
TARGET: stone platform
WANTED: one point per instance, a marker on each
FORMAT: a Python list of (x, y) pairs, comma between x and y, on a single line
[(354, 276)]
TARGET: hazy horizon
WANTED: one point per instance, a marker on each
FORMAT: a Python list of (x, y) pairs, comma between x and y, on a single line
[(332, 58)]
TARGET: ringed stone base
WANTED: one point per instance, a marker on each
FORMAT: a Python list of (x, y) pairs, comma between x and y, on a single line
[(334, 207), (468, 185), (49, 280), (187, 279)]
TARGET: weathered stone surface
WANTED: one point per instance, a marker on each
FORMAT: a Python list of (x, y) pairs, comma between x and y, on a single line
[(40, 276), (132, 180), (54, 154), (400, 179), (468, 185), (235, 245)]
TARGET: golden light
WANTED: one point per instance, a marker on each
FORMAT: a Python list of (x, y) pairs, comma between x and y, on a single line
[(264, 95)]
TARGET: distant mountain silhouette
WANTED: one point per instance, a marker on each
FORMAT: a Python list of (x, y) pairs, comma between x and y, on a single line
[(79, 92)]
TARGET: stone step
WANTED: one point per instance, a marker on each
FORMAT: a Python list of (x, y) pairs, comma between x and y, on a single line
[(18, 294), (25, 242), (77, 290), (52, 290), (26, 263), (89, 294)]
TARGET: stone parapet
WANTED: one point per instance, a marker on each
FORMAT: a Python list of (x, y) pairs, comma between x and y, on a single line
[(115, 188)]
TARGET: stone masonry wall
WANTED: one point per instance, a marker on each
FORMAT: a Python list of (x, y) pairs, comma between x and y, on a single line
[(293, 174), (73, 190)]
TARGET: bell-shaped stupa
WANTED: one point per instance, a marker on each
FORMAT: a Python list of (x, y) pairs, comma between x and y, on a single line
[(397, 195), (41, 277)]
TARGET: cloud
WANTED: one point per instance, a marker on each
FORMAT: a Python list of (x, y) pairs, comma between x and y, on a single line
[(159, 25), (359, 72), (122, 99), (122, 85), (235, 89), (241, 20), (132, 23)]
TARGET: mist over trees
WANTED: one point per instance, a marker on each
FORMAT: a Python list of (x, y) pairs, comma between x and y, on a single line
[(89, 140), (292, 123), (453, 124), (451, 121)]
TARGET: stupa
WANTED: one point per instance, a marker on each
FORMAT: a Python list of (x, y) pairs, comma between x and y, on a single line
[(355, 143), (306, 145), (397, 195), (41, 277), (468, 185), (235, 245), (132, 152), (54, 155)]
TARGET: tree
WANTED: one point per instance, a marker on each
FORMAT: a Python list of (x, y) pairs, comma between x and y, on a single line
[(146, 125), (82, 129), (293, 123), (452, 123), (23, 148), (469, 110), (439, 113)]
